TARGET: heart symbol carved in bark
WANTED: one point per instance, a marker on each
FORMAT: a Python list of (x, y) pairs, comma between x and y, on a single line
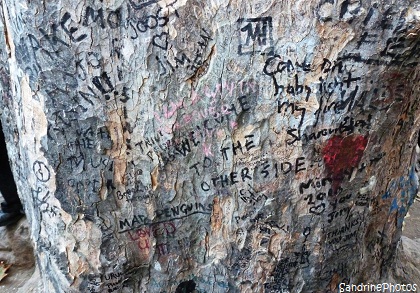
[(161, 40)]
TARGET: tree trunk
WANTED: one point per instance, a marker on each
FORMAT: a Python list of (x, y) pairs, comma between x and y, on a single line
[(241, 146)]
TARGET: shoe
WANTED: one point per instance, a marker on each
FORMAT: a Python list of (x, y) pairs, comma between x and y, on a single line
[(9, 218)]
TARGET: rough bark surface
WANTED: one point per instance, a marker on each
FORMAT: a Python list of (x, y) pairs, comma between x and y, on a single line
[(241, 146)]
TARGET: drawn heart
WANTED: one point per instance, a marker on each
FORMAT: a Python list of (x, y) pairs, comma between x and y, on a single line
[(161, 41), (317, 210), (343, 153)]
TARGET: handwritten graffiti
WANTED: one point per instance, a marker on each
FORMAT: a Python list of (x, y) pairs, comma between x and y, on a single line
[(168, 214), (251, 196), (41, 201), (255, 35), (346, 234), (191, 61), (276, 67), (41, 171), (142, 236), (151, 22), (113, 19), (285, 267), (346, 127), (316, 200), (139, 4)]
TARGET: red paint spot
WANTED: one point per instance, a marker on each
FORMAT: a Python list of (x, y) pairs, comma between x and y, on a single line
[(342, 154)]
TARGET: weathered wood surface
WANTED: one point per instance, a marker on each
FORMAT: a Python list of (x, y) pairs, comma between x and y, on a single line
[(241, 146)]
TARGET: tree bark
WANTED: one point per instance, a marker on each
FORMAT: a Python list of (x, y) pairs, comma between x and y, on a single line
[(241, 146)]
